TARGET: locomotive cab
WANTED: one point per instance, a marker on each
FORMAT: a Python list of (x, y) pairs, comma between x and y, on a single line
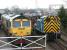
[(21, 27)]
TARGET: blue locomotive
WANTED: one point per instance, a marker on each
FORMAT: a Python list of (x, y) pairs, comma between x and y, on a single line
[(49, 25)]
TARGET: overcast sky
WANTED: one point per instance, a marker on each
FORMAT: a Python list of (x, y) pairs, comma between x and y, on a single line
[(28, 3)]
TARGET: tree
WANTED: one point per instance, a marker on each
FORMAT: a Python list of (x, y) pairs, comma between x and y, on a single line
[(63, 16), (61, 12)]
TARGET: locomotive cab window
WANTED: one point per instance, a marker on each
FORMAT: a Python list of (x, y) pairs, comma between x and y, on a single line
[(26, 23), (16, 24)]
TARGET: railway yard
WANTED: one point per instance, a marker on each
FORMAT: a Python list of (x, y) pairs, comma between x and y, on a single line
[(18, 32), (60, 44), (36, 27)]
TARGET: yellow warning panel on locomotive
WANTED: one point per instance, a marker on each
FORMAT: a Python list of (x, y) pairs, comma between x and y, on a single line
[(52, 24)]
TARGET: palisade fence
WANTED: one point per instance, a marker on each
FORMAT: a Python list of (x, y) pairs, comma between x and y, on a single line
[(39, 38)]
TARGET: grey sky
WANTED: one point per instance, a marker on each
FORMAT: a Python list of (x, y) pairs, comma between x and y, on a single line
[(28, 3)]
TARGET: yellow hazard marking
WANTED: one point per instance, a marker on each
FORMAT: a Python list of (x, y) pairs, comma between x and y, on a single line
[(53, 25)]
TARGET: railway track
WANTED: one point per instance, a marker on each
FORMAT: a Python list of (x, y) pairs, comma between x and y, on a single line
[(59, 44), (54, 46), (64, 37), (63, 41), (62, 44)]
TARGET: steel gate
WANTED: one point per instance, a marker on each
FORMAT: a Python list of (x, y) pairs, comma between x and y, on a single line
[(5, 43)]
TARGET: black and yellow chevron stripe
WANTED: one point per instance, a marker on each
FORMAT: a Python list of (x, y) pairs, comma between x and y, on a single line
[(52, 24)]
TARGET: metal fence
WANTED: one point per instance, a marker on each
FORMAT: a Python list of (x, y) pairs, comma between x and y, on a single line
[(23, 47)]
